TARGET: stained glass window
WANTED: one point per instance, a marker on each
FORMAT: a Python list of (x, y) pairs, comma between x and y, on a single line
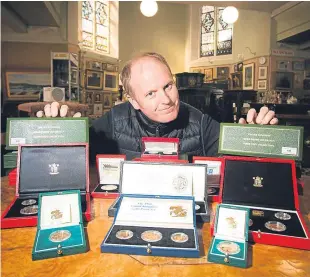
[(216, 35), (95, 25)]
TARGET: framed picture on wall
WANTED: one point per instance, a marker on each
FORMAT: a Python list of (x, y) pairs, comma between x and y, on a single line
[(236, 80), (298, 66), (222, 73), (208, 75), (196, 70), (98, 109), (283, 65), (239, 66), (262, 84), (74, 76), (98, 98), (93, 79), (110, 81), (89, 98), (26, 84), (107, 100), (248, 76), (298, 80), (262, 72)]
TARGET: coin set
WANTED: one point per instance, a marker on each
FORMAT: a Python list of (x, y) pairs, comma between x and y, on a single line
[(29, 207), (273, 225), (152, 236)]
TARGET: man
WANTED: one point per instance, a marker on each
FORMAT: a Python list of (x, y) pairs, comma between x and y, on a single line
[(154, 109)]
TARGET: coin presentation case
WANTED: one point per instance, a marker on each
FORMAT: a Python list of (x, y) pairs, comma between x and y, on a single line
[(159, 147)]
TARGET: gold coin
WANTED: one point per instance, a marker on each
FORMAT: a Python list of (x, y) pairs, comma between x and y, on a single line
[(151, 236), (29, 210), (275, 226), (228, 247), (124, 234), (59, 236), (29, 202), (179, 237)]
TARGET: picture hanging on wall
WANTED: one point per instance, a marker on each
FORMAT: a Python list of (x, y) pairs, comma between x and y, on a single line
[(248, 76), (262, 72), (283, 65), (93, 79), (208, 75), (262, 84), (298, 66), (222, 73), (236, 80)]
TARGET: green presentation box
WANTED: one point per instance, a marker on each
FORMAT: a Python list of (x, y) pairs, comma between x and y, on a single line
[(261, 140), (34, 130)]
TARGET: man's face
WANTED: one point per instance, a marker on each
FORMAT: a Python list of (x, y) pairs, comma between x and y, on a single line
[(153, 89)]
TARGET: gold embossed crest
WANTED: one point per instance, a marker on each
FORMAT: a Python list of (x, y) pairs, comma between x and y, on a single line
[(178, 211), (258, 182), (56, 214), (231, 222)]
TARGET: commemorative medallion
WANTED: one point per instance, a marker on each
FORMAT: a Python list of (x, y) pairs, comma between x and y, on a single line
[(179, 237), (180, 183), (275, 226), (151, 236), (282, 216), (29, 210), (59, 236), (29, 202), (124, 234), (109, 187), (228, 247)]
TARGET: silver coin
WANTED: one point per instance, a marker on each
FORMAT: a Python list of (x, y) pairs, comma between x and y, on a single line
[(211, 190), (59, 236), (168, 152), (228, 247), (197, 207), (151, 236), (282, 216), (250, 222), (29, 202), (153, 152), (180, 183), (275, 226), (124, 234), (108, 187), (179, 237), (29, 210)]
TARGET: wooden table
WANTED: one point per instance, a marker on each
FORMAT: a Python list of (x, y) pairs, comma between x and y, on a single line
[(16, 247)]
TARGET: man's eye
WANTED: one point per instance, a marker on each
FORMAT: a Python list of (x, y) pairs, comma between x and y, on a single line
[(150, 94), (168, 87)]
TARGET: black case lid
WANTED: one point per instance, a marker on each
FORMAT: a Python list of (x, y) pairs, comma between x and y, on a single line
[(39, 171), (277, 189)]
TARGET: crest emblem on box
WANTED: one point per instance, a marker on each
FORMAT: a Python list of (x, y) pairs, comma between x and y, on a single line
[(53, 169)]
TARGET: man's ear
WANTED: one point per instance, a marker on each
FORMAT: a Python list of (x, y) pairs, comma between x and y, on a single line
[(133, 102)]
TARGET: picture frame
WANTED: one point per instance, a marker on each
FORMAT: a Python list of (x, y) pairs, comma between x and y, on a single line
[(95, 65), (26, 85), (236, 80), (222, 73), (235, 68), (89, 98), (196, 70), (262, 84), (94, 79), (248, 76), (98, 108), (110, 81), (262, 72), (107, 100), (98, 98), (111, 67), (283, 65), (298, 66), (74, 76), (298, 80), (240, 67), (208, 75)]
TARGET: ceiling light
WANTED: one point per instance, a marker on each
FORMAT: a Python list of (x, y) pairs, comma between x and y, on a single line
[(148, 8), (230, 14)]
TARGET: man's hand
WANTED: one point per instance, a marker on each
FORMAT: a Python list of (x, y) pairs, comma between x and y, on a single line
[(265, 116), (54, 109)]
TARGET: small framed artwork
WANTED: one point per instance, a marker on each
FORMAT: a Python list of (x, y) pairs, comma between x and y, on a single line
[(96, 65), (110, 81), (74, 76), (98, 109), (107, 100), (298, 80), (262, 84), (196, 70), (239, 66), (283, 65), (26, 85), (89, 98), (98, 98), (298, 66), (208, 75), (236, 80), (222, 73), (248, 76), (262, 72), (75, 94), (93, 79)]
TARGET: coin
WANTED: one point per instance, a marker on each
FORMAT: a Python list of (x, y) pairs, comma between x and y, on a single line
[(250, 222), (275, 226), (211, 190), (228, 247), (179, 237), (179, 183), (153, 152), (168, 152), (60, 235), (124, 234), (109, 187), (29, 202), (197, 207), (151, 236), (29, 210), (282, 216)]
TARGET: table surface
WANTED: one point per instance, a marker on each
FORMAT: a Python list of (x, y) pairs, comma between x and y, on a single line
[(16, 248)]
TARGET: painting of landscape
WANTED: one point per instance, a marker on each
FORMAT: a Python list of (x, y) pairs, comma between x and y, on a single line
[(26, 85)]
